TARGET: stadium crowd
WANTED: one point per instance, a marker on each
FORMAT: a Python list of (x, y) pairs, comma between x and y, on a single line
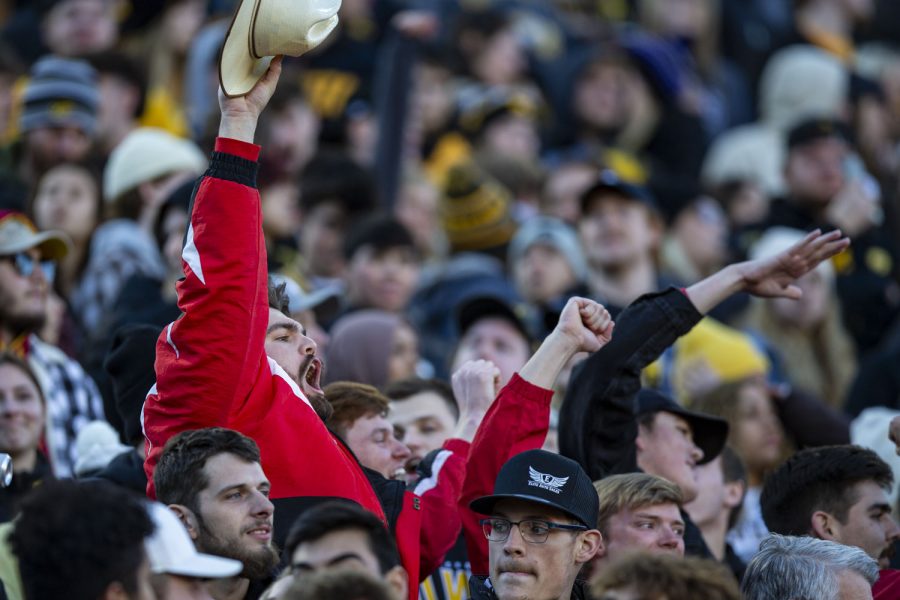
[(449, 299)]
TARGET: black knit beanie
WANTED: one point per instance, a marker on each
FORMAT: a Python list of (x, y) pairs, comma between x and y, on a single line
[(129, 364)]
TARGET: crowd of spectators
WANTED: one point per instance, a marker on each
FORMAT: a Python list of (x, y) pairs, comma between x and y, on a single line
[(473, 299)]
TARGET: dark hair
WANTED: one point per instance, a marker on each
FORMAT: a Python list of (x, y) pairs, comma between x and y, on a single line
[(733, 470), (333, 176), (8, 358), (179, 198), (648, 419), (179, 475), (819, 479), (125, 68), (340, 583), (352, 400), (339, 515), (404, 389), (381, 232), (125, 206), (91, 170), (278, 297), (471, 29), (73, 539)]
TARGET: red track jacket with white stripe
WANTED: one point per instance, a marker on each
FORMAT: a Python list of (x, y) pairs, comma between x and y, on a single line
[(212, 371)]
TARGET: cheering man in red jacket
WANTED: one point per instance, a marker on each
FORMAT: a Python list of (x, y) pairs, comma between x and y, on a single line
[(233, 360)]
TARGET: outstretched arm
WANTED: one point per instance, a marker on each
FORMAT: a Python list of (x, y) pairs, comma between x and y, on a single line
[(772, 277), (519, 418), (597, 423)]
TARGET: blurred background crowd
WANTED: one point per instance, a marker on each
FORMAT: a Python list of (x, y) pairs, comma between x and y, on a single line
[(430, 153)]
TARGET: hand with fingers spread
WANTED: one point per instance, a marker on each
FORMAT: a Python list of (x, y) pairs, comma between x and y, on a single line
[(771, 277), (586, 323), (774, 277)]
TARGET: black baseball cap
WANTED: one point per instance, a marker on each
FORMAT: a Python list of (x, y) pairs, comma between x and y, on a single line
[(545, 478), (608, 181), (481, 307), (710, 432), (811, 130)]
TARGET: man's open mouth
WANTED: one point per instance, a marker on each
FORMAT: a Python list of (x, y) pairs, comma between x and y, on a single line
[(412, 464), (312, 375)]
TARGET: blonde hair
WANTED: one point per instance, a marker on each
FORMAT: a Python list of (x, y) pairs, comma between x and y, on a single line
[(633, 490)]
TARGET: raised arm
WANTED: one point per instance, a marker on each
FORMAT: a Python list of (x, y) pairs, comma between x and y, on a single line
[(597, 421), (772, 277), (208, 360), (241, 113), (519, 418)]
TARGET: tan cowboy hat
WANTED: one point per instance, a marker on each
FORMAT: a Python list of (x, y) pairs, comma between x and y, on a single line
[(263, 29)]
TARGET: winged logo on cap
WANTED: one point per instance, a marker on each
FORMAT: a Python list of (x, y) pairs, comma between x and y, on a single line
[(547, 481)]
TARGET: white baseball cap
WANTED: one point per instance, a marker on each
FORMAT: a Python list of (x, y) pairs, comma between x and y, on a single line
[(170, 549)]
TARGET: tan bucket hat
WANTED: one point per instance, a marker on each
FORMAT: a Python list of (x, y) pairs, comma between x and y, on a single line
[(263, 29)]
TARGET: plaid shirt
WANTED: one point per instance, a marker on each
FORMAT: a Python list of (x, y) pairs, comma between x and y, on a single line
[(72, 400), (119, 250)]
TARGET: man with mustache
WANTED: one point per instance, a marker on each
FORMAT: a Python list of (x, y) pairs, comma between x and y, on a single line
[(541, 529), (236, 359), (610, 425)]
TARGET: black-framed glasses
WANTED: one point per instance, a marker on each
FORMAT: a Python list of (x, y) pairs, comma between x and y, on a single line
[(534, 531), (25, 264)]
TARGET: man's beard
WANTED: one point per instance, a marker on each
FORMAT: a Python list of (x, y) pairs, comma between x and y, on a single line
[(18, 324), (322, 407), (258, 564)]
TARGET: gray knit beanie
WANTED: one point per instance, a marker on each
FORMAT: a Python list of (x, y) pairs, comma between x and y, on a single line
[(60, 91)]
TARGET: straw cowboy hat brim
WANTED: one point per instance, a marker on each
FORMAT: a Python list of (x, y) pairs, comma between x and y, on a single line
[(263, 29)]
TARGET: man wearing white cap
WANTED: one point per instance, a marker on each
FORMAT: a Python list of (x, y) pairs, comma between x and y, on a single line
[(180, 572)]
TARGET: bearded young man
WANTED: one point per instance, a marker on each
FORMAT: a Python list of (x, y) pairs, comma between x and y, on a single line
[(28, 261), (212, 479), (236, 359)]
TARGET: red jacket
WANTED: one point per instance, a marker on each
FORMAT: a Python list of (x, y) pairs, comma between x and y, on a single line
[(888, 585), (212, 370), (517, 421)]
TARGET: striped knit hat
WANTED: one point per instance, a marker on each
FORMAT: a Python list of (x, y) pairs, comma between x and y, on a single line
[(475, 210), (60, 91)]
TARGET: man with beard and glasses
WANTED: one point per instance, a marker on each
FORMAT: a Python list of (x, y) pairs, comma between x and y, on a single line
[(236, 359), (212, 479), (27, 263)]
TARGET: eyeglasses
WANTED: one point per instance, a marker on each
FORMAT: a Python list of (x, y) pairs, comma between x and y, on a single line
[(531, 530), (25, 264)]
